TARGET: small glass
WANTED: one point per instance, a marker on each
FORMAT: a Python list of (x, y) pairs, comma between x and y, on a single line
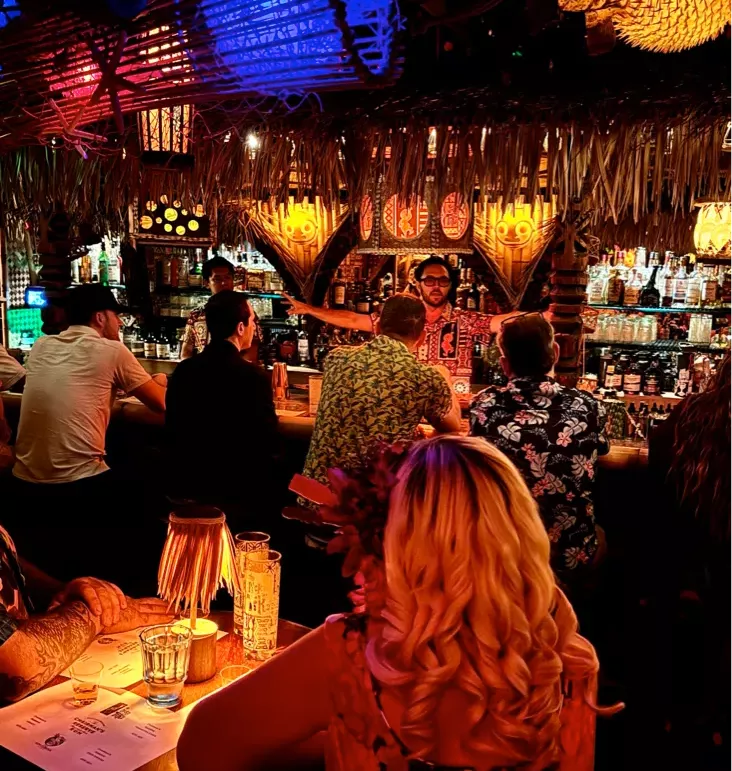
[(165, 652), (245, 543), (233, 672), (261, 603), (85, 677)]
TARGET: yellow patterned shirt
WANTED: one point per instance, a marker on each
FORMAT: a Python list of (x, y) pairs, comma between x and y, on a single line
[(377, 392)]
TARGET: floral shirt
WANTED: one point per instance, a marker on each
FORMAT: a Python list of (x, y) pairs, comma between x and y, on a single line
[(377, 392), (13, 598), (554, 435)]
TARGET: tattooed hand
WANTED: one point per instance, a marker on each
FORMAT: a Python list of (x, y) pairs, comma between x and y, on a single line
[(143, 612), (102, 598)]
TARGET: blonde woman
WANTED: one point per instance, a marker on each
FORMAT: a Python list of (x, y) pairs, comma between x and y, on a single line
[(466, 659)]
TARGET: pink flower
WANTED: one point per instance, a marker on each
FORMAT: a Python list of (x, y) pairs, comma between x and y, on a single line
[(564, 439), (570, 496)]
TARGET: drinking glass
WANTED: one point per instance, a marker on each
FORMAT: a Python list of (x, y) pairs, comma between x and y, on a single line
[(165, 653), (245, 543), (261, 603), (85, 677)]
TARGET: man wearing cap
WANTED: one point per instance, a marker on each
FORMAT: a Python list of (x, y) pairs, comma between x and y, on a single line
[(71, 382)]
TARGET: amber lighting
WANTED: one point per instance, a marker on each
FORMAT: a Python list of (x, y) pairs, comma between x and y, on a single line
[(712, 232), (166, 129)]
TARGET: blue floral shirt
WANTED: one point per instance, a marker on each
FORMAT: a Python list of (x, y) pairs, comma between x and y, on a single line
[(554, 436)]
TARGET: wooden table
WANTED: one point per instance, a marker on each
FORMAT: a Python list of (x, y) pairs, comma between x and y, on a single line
[(229, 650)]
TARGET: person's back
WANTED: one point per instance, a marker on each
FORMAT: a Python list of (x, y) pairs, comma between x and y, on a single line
[(552, 433), (70, 386), (228, 451), (378, 392)]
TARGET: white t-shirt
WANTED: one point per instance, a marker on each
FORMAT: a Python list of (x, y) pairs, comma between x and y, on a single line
[(10, 371), (67, 403)]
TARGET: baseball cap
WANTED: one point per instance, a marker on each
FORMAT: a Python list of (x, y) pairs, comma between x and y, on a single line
[(87, 299)]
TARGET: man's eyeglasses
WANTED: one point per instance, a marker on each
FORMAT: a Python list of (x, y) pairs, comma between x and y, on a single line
[(443, 281)]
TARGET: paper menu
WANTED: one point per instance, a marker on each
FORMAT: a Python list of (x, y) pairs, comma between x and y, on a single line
[(119, 732), (120, 654)]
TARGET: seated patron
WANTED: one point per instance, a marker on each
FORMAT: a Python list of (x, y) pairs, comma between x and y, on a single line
[(468, 656), (379, 392), (12, 374), (60, 470), (553, 434), (228, 456), (35, 648)]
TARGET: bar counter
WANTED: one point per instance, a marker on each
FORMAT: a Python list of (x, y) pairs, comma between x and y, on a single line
[(296, 425)]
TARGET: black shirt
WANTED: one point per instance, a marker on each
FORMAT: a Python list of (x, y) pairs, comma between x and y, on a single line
[(221, 427)]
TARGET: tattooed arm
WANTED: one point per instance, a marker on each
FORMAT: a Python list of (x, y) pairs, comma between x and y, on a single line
[(42, 647)]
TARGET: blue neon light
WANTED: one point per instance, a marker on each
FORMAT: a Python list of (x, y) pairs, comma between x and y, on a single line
[(276, 46), (35, 297), (8, 11)]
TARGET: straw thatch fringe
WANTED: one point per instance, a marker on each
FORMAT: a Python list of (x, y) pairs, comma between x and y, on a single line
[(624, 171)]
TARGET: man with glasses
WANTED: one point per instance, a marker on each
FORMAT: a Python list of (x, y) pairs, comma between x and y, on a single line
[(449, 332)]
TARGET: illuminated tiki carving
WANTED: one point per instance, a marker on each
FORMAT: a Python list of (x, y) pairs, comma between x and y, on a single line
[(405, 219), (366, 218), (713, 229), (454, 216), (512, 239)]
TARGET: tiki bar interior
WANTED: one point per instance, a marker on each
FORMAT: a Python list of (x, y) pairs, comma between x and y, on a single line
[(365, 385)]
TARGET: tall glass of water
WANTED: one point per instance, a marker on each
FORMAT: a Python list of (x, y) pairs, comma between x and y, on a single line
[(165, 653)]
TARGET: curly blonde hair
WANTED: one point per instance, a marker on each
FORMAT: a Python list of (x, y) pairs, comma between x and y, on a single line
[(471, 603)]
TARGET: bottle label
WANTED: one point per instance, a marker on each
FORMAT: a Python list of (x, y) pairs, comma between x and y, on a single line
[(617, 382), (339, 295), (149, 349), (632, 384), (632, 295), (609, 377), (710, 291), (161, 350), (668, 287), (680, 290), (472, 305), (651, 385), (693, 294), (614, 290), (595, 294), (303, 351), (362, 307)]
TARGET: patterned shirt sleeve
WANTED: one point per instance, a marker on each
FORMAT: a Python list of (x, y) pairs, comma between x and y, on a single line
[(439, 396), (480, 326), (603, 445)]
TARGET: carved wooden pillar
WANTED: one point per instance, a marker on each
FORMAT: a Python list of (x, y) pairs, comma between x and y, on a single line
[(568, 296)]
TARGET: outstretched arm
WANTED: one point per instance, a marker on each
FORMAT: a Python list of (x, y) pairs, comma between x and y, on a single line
[(342, 319), (44, 646)]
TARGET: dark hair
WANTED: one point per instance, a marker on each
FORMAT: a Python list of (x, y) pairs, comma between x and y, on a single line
[(224, 311), (86, 300), (700, 470), (403, 318), (527, 342), (434, 260), (215, 262)]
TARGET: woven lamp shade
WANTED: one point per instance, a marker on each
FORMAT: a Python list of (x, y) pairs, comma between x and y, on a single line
[(198, 558), (657, 25)]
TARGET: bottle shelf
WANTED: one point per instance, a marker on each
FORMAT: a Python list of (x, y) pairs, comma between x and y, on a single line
[(206, 291), (658, 346), (111, 286), (719, 311)]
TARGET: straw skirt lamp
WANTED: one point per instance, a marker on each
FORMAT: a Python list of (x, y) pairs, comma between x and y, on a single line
[(198, 558)]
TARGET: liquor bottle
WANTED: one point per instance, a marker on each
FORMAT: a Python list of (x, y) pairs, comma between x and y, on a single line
[(615, 286), (388, 286), (338, 293), (710, 288), (114, 266), (166, 276), (149, 348), (632, 379), (162, 346), (597, 286), (94, 266), (606, 358), (650, 296), (463, 290), (680, 281), (667, 282), (693, 286), (303, 348), (633, 290), (183, 272), (725, 286), (609, 381), (103, 267), (363, 301), (473, 297), (619, 373), (174, 268), (653, 379), (76, 271), (85, 270)]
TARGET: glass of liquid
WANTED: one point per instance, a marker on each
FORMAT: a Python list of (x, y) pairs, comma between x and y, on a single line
[(245, 543), (165, 653), (85, 681)]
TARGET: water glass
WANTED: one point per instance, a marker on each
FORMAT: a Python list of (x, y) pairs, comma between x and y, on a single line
[(261, 603), (165, 654), (245, 543), (85, 677)]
